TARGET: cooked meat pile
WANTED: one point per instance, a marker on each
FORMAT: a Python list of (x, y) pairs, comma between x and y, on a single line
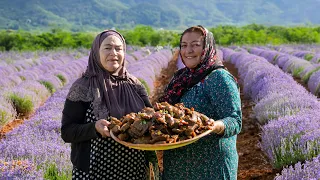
[(162, 124)]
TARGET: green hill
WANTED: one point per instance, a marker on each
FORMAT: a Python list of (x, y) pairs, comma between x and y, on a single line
[(88, 15)]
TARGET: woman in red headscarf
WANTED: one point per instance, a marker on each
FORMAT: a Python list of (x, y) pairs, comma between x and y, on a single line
[(106, 89), (209, 88)]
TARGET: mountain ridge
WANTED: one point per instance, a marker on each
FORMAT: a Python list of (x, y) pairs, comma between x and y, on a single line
[(88, 15)]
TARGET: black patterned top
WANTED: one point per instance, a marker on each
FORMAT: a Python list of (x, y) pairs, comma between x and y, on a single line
[(111, 160)]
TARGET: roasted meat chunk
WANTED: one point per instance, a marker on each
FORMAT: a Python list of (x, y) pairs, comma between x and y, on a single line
[(165, 123)]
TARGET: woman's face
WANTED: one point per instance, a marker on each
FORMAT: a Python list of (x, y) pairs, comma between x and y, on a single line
[(191, 49), (111, 53)]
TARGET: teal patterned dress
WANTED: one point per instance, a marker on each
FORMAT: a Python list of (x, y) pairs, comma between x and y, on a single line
[(214, 156)]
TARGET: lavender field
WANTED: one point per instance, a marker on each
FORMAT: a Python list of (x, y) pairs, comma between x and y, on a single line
[(38, 85), (34, 85), (287, 112)]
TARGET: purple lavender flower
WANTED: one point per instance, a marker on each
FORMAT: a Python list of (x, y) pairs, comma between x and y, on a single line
[(7, 70), (40, 90), (5, 83), (63, 77), (308, 170), (7, 111), (305, 75), (130, 59), (288, 111), (19, 169), (38, 141), (314, 82), (284, 103), (316, 58), (51, 82), (139, 54), (28, 75), (281, 60)]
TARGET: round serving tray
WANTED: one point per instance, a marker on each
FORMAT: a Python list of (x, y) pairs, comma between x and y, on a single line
[(167, 146)]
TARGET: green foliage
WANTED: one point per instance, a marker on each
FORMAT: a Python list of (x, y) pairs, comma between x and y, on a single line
[(22, 78), (274, 58), (49, 86), (145, 85), (306, 77), (23, 40), (308, 57), (5, 117), (143, 35), (52, 173), (296, 72), (289, 152), (23, 105), (62, 79)]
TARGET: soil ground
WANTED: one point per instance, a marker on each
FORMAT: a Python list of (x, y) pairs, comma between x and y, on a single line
[(253, 163)]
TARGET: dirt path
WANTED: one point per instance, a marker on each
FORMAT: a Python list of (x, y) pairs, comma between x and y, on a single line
[(253, 163), (11, 125), (8, 127)]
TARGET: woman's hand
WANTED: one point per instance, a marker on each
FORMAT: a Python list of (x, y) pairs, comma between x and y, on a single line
[(218, 127), (102, 127)]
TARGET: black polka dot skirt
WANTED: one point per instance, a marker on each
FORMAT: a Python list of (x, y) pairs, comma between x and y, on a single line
[(110, 160)]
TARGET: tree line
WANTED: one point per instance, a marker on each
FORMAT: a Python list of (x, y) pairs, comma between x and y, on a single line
[(146, 35)]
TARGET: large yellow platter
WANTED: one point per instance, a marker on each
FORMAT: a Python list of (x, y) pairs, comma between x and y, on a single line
[(153, 147)]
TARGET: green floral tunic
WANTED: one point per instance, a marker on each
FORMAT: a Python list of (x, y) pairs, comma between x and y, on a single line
[(214, 156)]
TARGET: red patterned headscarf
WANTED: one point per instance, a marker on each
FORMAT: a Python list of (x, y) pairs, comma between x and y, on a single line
[(186, 78)]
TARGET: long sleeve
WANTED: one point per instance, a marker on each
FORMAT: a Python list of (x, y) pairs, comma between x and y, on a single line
[(213, 156), (74, 128), (224, 95)]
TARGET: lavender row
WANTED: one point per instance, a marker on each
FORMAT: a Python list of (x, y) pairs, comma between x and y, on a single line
[(287, 112), (307, 71), (30, 149), (27, 89), (33, 148), (307, 170), (12, 61), (148, 68), (29, 68), (45, 65), (292, 138), (52, 67), (307, 47), (313, 57), (29, 94), (133, 56), (135, 53)]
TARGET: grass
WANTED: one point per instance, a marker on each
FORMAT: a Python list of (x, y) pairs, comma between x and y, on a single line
[(53, 173), (145, 85), (308, 57), (62, 79), (49, 86), (23, 105), (306, 77)]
